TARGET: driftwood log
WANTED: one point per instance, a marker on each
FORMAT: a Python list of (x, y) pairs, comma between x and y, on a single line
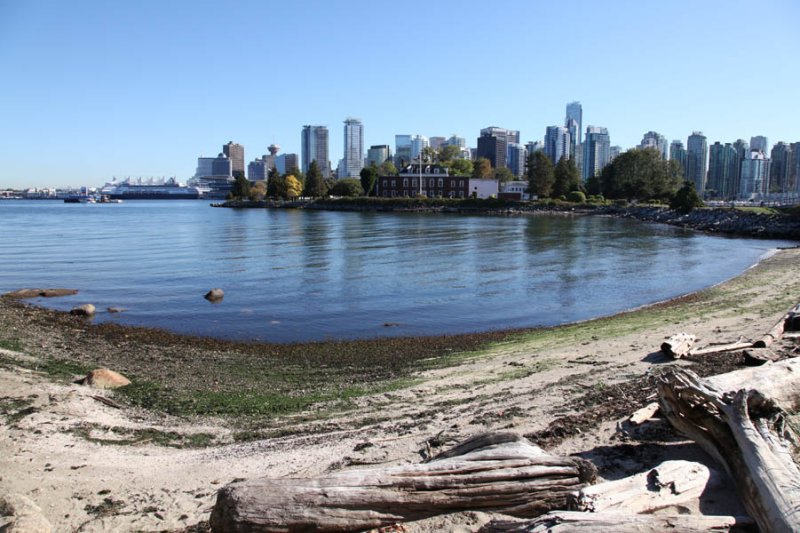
[(775, 333), (745, 432), (670, 484), (500, 472), (577, 522), (759, 356), (717, 348), (678, 345), (781, 379)]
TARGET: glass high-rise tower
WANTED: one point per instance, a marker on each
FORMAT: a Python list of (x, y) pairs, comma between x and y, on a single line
[(697, 160), (314, 147), (353, 160)]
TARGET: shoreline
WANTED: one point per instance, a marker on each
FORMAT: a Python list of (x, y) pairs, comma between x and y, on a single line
[(89, 465)]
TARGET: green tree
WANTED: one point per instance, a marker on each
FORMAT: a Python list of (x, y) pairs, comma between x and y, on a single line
[(387, 168), (369, 175), (461, 167), (503, 175), (347, 187), (240, 189), (686, 199), (482, 169), (640, 174), (293, 187), (566, 177), (314, 186), (276, 187), (540, 174), (448, 153)]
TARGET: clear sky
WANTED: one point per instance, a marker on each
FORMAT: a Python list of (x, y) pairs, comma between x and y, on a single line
[(95, 89)]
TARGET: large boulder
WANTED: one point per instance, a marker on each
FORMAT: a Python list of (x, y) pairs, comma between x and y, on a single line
[(18, 514), (103, 378), (83, 310), (215, 295), (40, 293)]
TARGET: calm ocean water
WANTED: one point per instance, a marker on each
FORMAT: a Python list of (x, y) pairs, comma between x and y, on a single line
[(307, 275)]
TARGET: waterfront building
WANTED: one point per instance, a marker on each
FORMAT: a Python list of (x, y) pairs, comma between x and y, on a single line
[(214, 166), (575, 113), (759, 144), (431, 180), (755, 176), (493, 145), (780, 166), (696, 161), (418, 143), (655, 140), (515, 158), (596, 151), (235, 152), (258, 169), (437, 142), (514, 190), (678, 153), (314, 147), (484, 188), (378, 154), (402, 150), (534, 146), (723, 164), (557, 143), (353, 160)]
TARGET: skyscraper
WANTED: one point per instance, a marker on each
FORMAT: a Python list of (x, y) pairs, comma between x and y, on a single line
[(759, 144), (678, 153), (653, 139), (557, 143), (596, 151), (742, 148), (402, 150), (696, 160), (235, 152), (755, 176), (314, 147), (437, 142), (515, 159), (794, 168), (493, 144), (575, 112), (353, 160), (378, 154), (258, 169), (780, 168), (723, 163), (418, 143)]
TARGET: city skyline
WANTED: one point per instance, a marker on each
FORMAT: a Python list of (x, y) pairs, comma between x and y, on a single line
[(102, 90)]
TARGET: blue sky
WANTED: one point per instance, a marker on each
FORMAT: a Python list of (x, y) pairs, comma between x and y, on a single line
[(91, 90)]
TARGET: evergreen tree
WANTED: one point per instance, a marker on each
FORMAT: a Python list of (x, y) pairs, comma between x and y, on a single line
[(369, 176), (567, 178), (686, 199), (640, 174), (240, 189), (314, 186), (540, 174)]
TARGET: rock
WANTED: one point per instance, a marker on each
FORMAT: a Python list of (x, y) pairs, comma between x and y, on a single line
[(115, 309), (40, 293), (215, 295), (25, 516), (103, 378), (83, 310)]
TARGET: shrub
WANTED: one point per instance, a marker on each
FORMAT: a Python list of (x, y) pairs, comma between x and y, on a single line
[(577, 197)]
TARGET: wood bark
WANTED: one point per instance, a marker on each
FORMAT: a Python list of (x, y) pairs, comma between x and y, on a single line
[(576, 522), (670, 484), (678, 345), (781, 379), (745, 432), (499, 472)]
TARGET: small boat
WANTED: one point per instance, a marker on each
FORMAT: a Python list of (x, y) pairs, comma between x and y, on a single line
[(106, 199), (79, 199)]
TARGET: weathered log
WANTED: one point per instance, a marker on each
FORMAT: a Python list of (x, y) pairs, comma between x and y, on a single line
[(492, 472), (781, 379), (748, 435), (718, 348), (678, 345), (669, 484), (644, 414), (759, 356), (774, 334), (576, 522)]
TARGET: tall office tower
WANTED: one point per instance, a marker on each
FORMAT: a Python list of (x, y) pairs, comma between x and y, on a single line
[(575, 112), (696, 160), (613, 152), (287, 163), (353, 160), (723, 163), (314, 147), (596, 151), (652, 139), (418, 143), (678, 153), (235, 152), (493, 144), (534, 146), (437, 142), (573, 128), (402, 150), (742, 148), (794, 168), (759, 144), (557, 143), (258, 169), (755, 176), (516, 159), (455, 140), (378, 154), (780, 166)]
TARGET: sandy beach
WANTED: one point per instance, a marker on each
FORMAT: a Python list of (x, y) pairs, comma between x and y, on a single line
[(91, 466)]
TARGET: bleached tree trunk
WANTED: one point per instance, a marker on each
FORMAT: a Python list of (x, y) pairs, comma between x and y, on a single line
[(576, 522)]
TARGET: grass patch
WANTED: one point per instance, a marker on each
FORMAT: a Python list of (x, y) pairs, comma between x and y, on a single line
[(11, 344), (132, 437), (15, 409), (63, 369)]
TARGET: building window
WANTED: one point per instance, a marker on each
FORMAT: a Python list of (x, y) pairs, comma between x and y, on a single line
[(394, 183), (385, 183), (461, 194), (460, 183), (405, 182), (441, 183), (414, 182), (431, 183)]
